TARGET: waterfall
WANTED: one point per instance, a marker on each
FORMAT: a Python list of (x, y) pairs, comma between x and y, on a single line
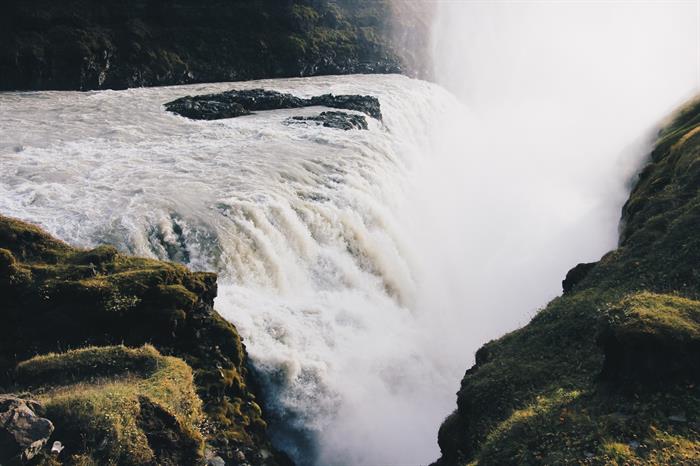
[(363, 268), (310, 229)]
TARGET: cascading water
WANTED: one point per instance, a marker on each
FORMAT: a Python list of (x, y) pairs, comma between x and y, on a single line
[(304, 224), (363, 268)]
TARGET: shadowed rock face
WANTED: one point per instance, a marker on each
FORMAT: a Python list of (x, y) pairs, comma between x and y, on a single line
[(608, 372), (84, 45), (231, 104)]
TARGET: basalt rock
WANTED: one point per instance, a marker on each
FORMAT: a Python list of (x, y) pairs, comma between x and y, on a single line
[(23, 433), (234, 103), (337, 120), (362, 103)]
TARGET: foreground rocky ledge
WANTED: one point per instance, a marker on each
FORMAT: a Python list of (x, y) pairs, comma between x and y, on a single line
[(232, 104), (125, 357), (609, 373)]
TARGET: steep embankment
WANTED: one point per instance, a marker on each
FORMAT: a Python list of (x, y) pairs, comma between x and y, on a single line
[(608, 372), (79, 44), (107, 402)]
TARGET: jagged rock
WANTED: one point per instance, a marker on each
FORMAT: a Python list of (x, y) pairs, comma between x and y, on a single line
[(337, 120), (22, 432), (205, 109), (231, 104), (362, 103)]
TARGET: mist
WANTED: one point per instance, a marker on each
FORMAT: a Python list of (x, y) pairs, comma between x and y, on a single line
[(559, 105)]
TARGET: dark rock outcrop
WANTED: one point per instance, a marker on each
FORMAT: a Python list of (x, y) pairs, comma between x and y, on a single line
[(337, 120), (84, 45), (575, 275), (23, 433), (607, 373), (362, 103), (231, 104)]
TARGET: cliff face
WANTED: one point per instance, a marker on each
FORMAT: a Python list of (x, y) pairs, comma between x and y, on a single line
[(82, 44), (74, 326), (608, 373)]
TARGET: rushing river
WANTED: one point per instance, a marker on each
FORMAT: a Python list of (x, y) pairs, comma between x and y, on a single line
[(363, 268), (309, 227)]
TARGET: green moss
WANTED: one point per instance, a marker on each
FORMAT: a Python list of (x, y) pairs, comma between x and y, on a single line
[(98, 413), (88, 363), (661, 316), (57, 298)]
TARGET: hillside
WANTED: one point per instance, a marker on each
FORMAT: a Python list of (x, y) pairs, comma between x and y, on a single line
[(125, 357), (607, 373), (83, 45)]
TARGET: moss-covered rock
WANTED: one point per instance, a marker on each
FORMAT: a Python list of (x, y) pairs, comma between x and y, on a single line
[(81, 44), (116, 405), (57, 298), (607, 373)]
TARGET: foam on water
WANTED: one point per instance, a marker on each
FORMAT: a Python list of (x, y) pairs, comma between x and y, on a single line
[(306, 225)]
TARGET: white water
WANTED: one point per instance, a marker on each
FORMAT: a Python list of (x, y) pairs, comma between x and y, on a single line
[(363, 268), (306, 225)]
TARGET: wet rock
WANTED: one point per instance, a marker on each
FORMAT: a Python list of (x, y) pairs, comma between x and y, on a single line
[(362, 103), (231, 104), (203, 108), (22, 432), (337, 120)]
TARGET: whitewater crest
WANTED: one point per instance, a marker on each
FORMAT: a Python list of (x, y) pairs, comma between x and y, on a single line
[(307, 227)]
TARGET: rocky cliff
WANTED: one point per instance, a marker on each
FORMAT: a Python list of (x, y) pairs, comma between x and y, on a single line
[(607, 373), (125, 358), (82, 44)]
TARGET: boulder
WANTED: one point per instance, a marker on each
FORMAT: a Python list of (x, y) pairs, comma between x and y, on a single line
[(22, 432), (575, 275), (232, 104), (362, 103), (337, 120)]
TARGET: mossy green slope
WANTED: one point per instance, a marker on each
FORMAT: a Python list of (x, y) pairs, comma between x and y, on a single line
[(607, 373), (116, 405), (57, 298)]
